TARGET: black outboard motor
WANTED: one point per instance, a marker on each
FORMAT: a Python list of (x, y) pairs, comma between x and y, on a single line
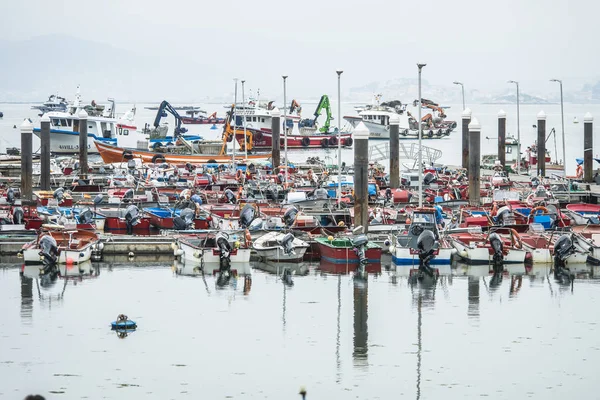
[(18, 215), (273, 192), (290, 216), (86, 216), (225, 253), (229, 196), (59, 194), (563, 248), (48, 253), (287, 242), (498, 247), (185, 220), (247, 215), (127, 196), (10, 196), (388, 194), (503, 215), (426, 246), (280, 178), (428, 178), (132, 218), (360, 248)]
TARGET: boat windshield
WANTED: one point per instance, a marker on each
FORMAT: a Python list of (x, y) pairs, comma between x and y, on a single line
[(423, 218)]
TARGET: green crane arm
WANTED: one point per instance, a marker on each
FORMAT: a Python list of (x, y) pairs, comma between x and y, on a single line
[(324, 104)]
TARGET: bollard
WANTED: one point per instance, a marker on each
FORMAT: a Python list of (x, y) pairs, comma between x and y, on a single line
[(474, 161), (26, 167), (466, 118), (541, 144), (275, 142), (83, 144), (394, 151), (361, 179), (502, 137), (45, 153), (588, 147)]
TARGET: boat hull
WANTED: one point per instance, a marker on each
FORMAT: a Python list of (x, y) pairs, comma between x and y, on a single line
[(114, 154), (264, 140), (194, 256), (343, 260), (401, 256)]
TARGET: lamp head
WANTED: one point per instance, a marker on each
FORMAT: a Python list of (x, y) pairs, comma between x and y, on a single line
[(457, 83), (284, 77), (421, 65), (339, 72)]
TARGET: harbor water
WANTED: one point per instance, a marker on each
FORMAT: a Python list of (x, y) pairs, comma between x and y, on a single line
[(450, 146), (465, 335)]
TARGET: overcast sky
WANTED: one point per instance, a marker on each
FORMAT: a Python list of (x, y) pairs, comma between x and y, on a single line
[(481, 43)]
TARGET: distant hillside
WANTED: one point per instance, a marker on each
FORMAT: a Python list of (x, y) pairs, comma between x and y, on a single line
[(524, 98)]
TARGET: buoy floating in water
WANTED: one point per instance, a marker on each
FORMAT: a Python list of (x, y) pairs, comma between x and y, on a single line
[(123, 322)]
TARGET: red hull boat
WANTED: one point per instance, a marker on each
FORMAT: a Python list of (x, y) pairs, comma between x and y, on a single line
[(262, 140)]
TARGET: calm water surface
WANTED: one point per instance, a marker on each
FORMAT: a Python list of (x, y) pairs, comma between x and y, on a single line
[(465, 336)]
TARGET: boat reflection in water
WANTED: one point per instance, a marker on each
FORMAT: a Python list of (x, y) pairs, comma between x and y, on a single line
[(223, 279), (361, 327), (26, 297)]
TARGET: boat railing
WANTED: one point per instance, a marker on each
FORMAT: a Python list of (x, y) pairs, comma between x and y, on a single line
[(410, 151)]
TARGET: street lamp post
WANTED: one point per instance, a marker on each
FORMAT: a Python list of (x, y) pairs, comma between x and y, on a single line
[(562, 118), (234, 123), (285, 155), (420, 66), (463, 92), (244, 116), (518, 131), (339, 74)]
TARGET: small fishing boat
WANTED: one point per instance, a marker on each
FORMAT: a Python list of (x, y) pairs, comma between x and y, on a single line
[(404, 245), (213, 250), (59, 197), (114, 154), (476, 247), (284, 247), (56, 245), (179, 219), (585, 209), (338, 255)]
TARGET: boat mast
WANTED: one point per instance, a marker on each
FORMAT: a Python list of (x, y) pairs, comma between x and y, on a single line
[(244, 116)]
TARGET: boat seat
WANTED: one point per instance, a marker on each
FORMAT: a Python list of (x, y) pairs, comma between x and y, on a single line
[(74, 243)]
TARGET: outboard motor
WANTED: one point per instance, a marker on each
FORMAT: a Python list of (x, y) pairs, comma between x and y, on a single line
[(320, 194), (59, 194), (132, 218), (286, 277), (428, 178), (127, 196), (18, 215), (131, 165), (273, 192), (229, 196), (280, 178), (388, 194), (225, 253), (247, 215), (48, 253), (290, 216), (498, 248), (563, 248), (360, 248), (185, 220), (426, 246), (10, 196), (503, 215), (287, 242), (86, 216)]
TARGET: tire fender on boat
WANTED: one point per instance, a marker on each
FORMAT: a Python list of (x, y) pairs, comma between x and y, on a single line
[(325, 143), (258, 136), (157, 157), (333, 141), (127, 155), (305, 141), (430, 133), (348, 141)]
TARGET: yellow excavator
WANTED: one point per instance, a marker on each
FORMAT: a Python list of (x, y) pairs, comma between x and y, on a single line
[(229, 134)]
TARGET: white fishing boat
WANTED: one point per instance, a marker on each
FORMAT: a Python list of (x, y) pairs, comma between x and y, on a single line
[(212, 250), (376, 118), (276, 246), (60, 246), (102, 125)]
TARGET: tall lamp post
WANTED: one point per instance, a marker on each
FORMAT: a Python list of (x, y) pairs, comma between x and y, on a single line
[(463, 92), (234, 123), (339, 74), (562, 118), (420, 66), (285, 127), (244, 116), (518, 131)]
